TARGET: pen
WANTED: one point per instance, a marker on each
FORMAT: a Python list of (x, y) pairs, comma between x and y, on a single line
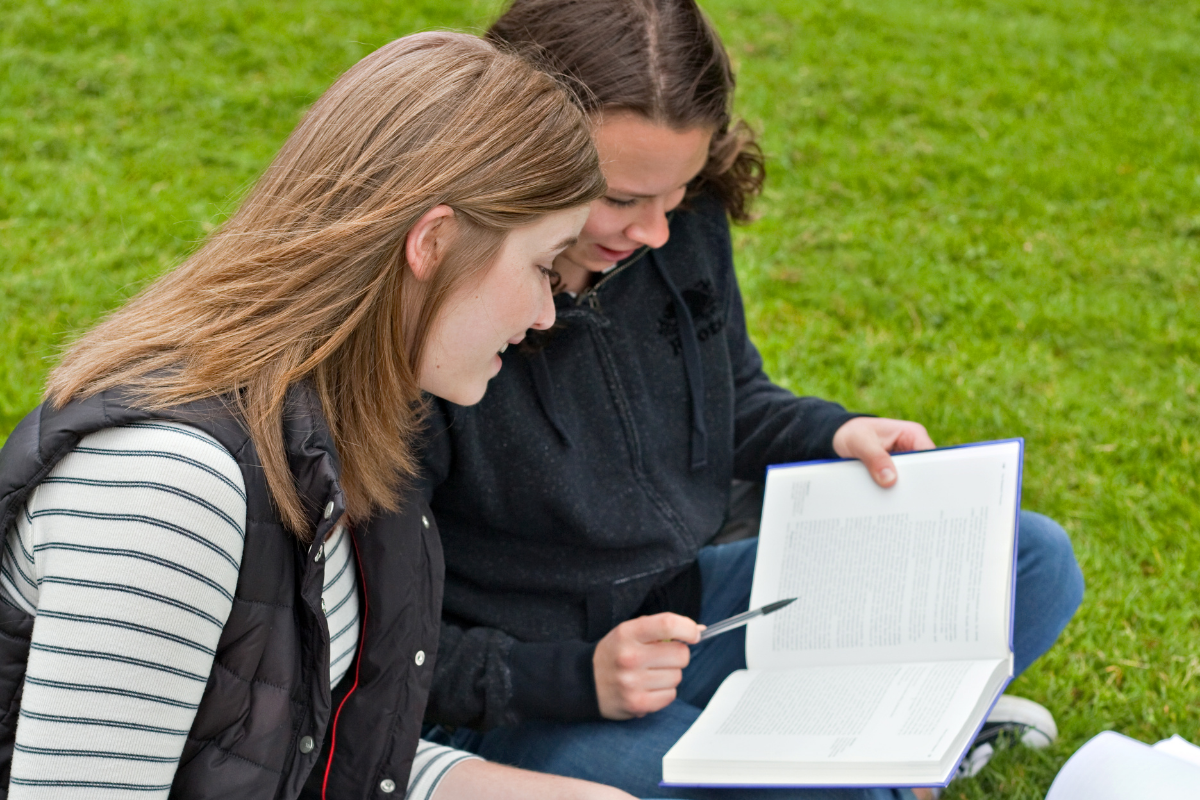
[(738, 620)]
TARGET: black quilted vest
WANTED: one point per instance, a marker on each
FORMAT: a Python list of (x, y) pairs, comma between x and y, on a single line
[(269, 692)]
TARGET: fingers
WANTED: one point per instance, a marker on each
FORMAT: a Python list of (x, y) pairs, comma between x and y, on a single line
[(866, 439), (658, 642), (911, 436), (632, 656), (640, 662), (649, 680), (643, 703), (880, 465), (870, 440), (666, 626)]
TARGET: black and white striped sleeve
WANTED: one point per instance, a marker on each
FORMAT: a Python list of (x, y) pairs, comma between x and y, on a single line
[(128, 554), (431, 764)]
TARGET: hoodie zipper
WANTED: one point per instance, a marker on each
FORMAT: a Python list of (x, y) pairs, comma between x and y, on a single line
[(588, 295)]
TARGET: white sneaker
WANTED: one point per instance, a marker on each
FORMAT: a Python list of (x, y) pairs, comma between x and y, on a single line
[(1014, 719)]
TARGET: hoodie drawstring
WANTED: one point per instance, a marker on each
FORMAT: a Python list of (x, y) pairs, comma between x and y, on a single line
[(544, 388), (692, 366)]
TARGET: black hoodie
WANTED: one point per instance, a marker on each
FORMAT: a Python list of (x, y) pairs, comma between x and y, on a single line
[(579, 492)]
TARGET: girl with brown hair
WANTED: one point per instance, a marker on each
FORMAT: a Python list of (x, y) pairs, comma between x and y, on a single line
[(579, 502), (218, 580)]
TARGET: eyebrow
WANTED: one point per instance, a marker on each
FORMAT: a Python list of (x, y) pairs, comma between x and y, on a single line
[(637, 196), (565, 243)]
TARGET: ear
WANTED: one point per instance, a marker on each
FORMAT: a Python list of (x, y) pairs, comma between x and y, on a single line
[(426, 243)]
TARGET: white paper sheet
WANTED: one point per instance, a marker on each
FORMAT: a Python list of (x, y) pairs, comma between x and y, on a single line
[(912, 583), (1114, 767)]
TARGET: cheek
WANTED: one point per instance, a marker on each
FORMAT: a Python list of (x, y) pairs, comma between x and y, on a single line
[(602, 223), (507, 302), (536, 292)]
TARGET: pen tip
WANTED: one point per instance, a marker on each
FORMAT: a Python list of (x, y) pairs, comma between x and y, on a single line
[(778, 604)]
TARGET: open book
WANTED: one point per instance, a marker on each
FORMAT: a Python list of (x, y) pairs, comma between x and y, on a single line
[(884, 669)]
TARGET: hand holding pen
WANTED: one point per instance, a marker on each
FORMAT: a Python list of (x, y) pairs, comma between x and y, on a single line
[(638, 664), (738, 620)]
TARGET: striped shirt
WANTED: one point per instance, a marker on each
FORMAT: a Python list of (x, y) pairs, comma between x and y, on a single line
[(339, 601), (128, 556)]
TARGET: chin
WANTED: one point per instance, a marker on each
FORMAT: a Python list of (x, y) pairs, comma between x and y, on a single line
[(463, 387), (465, 395)]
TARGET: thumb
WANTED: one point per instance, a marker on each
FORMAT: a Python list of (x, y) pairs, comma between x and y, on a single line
[(879, 464)]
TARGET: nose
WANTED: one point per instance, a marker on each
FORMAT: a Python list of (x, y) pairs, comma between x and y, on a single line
[(546, 314), (650, 228)]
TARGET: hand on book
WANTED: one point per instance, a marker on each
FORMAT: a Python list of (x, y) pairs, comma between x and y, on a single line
[(899, 642), (640, 662), (870, 439)]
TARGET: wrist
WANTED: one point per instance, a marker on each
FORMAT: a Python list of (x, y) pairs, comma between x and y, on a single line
[(554, 681)]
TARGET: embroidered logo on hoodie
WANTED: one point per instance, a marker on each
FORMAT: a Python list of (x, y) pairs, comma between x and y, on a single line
[(702, 304)]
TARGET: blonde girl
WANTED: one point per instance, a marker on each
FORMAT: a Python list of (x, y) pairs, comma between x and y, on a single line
[(218, 580)]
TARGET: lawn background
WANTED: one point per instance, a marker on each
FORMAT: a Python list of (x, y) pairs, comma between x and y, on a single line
[(984, 216)]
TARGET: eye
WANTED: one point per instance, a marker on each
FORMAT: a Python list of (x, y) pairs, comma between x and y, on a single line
[(547, 272), (612, 201)]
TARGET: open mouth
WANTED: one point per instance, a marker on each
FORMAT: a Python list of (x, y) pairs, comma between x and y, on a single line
[(615, 255), (514, 340)]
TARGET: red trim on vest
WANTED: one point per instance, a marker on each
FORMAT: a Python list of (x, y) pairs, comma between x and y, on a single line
[(357, 660)]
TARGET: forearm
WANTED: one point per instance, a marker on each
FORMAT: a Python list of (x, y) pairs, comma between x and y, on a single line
[(771, 424), (554, 681), (472, 682), (774, 426), (485, 678), (432, 763), (482, 780)]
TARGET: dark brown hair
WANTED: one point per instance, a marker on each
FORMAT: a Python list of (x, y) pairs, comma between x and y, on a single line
[(308, 280), (658, 58)]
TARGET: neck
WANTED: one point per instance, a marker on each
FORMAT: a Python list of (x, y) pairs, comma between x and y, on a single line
[(573, 277)]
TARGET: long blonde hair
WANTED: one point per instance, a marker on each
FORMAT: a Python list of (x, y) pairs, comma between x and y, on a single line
[(308, 280)]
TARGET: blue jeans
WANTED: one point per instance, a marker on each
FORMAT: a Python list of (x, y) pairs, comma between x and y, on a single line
[(629, 754)]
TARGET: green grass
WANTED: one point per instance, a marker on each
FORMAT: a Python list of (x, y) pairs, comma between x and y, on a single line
[(981, 215)]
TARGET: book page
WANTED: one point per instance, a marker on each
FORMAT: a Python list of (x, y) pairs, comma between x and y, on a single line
[(916, 572), (1114, 767), (1180, 748), (869, 713)]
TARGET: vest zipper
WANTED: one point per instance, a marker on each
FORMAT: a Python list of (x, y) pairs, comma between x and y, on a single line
[(357, 660)]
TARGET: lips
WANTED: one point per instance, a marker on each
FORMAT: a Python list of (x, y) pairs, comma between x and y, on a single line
[(613, 255), (513, 340)]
